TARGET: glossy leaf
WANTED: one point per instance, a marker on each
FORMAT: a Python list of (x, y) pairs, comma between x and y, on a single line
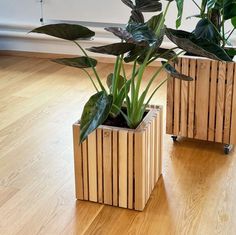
[(113, 49), (78, 62), (229, 9), (136, 17), (121, 81), (201, 47), (95, 112), (148, 5), (65, 31), (174, 73)]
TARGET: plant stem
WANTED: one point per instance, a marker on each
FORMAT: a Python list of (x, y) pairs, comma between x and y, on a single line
[(230, 34), (197, 5), (91, 79)]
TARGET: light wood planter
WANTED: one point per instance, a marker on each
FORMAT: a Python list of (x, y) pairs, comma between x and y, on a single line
[(117, 166), (204, 109)]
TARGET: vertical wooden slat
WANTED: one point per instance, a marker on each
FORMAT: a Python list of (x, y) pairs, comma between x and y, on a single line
[(228, 102), (130, 170), (100, 165), (152, 154), (177, 99), (233, 119), (139, 166), (92, 167), (146, 166), (212, 100), (202, 98), (85, 170), (149, 157), (78, 164), (191, 100), (156, 147), (115, 167), (184, 98), (107, 166), (160, 132), (123, 169), (170, 107), (220, 102), (157, 162)]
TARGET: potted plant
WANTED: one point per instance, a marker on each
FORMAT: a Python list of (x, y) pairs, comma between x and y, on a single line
[(118, 140), (205, 109)]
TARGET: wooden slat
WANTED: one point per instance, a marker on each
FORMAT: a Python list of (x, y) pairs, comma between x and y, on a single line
[(139, 168), (156, 147), (160, 133), (146, 166), (191, 99), (184, 99), (115, 166), (123, 169), (212, 100), (107, 166), (78, 165), (202, 98), (177, 99), (170, 106), (149, 158), (233, 122), (152, 153), (228, 102), (92, 167), (85, 170), (130, 170), (220, 102), (100, 165)]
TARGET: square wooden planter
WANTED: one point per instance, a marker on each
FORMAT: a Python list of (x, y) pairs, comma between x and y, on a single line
[(118, 166), (204, 109)]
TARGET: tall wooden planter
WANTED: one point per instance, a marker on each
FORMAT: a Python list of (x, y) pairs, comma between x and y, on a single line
[(118, 166), (204, 109)]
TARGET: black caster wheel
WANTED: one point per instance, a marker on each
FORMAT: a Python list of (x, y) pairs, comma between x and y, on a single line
[(228, 148), (174, 138)]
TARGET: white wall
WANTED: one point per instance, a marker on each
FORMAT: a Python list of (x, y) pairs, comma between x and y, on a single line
[(19, 17)]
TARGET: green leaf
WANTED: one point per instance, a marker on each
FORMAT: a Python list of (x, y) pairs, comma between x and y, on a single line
[(65, 31), (148, 5), (120, 84), (200, 47), (174, 73), (113, 49), (136, 17), (229, 9), (233, 21), (95, 112), (231, 52), (128, 3), (78, 62), (180, 6)]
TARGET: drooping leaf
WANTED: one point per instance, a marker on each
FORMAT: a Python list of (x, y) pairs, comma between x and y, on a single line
[(78, 62), (200, 47), (154, 22), (180, 7), (148, 5), (134, 54), (136, 17), (95, 112), (120, 84), (174, 73), (128, 3), (229, 9), (65, 31), (113, 49)]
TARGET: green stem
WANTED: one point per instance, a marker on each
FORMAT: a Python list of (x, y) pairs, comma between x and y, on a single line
[(91, 79), (197, 6), (230, 34)]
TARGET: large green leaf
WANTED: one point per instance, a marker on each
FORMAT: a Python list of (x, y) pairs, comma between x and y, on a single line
[(65, 31), (95, 112), (174, 73), (200, 47), (120, 84), (229, 9), (148, 5), (233, 21), (180, 7), (113, 49), (136, 17), (128, 3), (78, 62)]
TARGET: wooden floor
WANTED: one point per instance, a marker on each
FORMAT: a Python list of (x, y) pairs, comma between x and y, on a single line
[(39, 101)]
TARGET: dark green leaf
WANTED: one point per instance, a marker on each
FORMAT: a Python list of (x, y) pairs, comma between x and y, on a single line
[(65, 31), (120, 84), (95, 113), (233, 21), (174, 73), (113, 49), (128, 3), (136, 17), (180, 6), (78, 62), (229, 9), (231, 52), (148, 5), (199, 47)]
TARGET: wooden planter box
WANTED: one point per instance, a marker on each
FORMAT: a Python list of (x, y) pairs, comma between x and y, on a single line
[(118, 166), (204, 109)]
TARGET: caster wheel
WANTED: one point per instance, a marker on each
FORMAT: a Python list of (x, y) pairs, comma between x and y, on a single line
[(228, 148), (174, 138)]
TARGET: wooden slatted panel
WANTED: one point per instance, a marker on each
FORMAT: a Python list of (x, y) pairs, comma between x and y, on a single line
[(139, 169), (100, 165), (78, 164), (228, 102), (212, 104), (152, 154), (123, 169), (184, 99), (177, 99), (92, 166), (170, 106), (149, 158), (130, 170), (202, 98), (107, 166), (233, 122), (156, 148), (220, 102), (160, 133), (191, 99), (115, 166), (85, 170)]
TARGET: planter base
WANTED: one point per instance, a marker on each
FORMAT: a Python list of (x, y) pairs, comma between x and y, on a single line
[(118, 166)]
